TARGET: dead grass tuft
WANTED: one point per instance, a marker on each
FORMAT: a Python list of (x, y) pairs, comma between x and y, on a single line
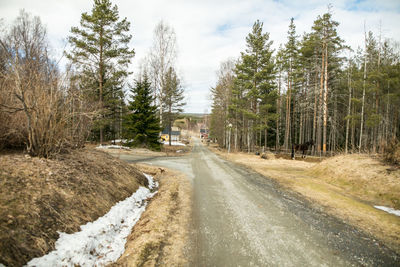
[(39, 197), (267, 155)]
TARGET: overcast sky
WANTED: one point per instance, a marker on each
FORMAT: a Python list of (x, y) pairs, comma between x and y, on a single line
[(211, 31)]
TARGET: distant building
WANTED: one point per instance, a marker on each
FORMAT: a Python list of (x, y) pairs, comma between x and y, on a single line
[(203, 133), (175, 134)]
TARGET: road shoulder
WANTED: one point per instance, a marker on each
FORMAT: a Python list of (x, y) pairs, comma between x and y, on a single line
[(383, 227), (161, 236)]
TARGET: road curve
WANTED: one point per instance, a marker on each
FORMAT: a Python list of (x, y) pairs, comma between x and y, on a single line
[(241, 218)]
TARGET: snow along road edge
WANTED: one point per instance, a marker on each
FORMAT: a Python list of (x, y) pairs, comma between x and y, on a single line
[(103, 241)]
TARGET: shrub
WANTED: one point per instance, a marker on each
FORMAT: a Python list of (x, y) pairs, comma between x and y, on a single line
[(392, 152)]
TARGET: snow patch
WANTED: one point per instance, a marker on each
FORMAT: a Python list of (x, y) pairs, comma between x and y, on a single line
[(103, 241), (389, 210), (173, 143), (113, 147)]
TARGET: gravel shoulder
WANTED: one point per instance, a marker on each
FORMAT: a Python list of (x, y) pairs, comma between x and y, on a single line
[(346, 187), (160, 237)]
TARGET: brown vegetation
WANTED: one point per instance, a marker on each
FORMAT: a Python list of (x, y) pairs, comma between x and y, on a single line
[(362, 177), (39, 197), (160, 237), (392, 152), (39, 110)]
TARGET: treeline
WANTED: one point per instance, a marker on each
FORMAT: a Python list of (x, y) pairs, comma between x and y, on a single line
[(46, 110), (313, 88)]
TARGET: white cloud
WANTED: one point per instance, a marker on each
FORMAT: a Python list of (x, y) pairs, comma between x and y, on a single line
[(210, 31)]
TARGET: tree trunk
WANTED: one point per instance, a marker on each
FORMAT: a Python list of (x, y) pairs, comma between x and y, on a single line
[(278, 104), (363, 95), (288, 115), (319, 122), (325, 101), (315, 112), (101, 85), (348, 112)]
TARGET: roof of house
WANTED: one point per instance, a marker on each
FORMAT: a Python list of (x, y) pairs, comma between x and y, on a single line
[(165, 131)]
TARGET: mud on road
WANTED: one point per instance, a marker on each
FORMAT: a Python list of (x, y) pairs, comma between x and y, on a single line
[(241, 218)]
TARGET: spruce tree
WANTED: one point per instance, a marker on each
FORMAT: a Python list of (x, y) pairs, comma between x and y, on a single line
[(101, 54), (142, 126)]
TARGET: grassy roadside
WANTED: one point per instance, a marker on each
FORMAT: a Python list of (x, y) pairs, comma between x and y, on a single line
[(41, 197), (160, 237), (345, 186)]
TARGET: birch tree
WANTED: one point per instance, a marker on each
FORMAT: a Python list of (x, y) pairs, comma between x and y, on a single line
[(162, 57)]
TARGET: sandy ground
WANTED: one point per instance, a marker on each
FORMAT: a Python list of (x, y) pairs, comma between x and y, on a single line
[(345, 186), (241, 218), (160, 237)]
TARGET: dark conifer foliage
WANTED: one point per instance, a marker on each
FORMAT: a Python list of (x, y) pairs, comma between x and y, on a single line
[(315, 88), (141, 124), (101, 55)]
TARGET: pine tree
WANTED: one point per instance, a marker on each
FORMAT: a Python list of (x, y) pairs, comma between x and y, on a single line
[(291, 57), (172, 99), (100, 53), (141, 124), (328, 45), (255, 73)]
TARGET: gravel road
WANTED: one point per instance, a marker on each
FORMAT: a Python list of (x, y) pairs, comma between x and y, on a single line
[(244, 219)]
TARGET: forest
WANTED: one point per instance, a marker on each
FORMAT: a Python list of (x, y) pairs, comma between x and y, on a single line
[(314, 88)]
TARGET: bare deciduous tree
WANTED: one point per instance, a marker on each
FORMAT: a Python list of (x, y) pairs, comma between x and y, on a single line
[(32, 93), (162, 57)]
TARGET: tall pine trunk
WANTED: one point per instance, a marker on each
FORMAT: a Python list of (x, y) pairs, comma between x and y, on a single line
[(348, 111), (325, 101), (319, 122), (278, 104), (363, 95), (101, 85)]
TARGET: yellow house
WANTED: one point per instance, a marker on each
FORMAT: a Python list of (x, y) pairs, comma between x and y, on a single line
[(175, 134)]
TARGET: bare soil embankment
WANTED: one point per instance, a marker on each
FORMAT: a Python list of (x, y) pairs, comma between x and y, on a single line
[(160, 237), (39, 197), (345, 186)]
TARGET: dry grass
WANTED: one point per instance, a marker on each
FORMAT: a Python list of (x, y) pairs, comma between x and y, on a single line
[(363, 177), (166, 151), (161, 235), (39, 197), (176, 150), (346, 186)]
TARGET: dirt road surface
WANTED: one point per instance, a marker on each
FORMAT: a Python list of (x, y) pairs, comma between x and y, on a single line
[(244, 219)]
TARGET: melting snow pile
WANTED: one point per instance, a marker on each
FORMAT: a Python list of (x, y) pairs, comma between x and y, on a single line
[(173, 143), (113, 147), (102, 241), (389, 210)]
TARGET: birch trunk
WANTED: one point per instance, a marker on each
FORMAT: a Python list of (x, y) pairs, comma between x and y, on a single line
[(363, 95)]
